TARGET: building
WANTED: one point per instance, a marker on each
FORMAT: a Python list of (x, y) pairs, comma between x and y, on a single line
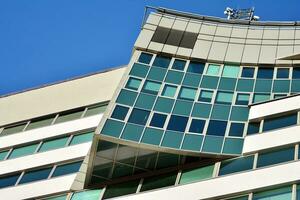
[(207, 108)]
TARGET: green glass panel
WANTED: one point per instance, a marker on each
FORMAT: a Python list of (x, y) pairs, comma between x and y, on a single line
[(151, 87), (3, 155), (212, 144), (126, 97), (133, 83), (192, 80), (281, 86), (182, 108), (172, 139), (233, 146), (88, 194), (187, 93), (139, 70), (95, 110), (209, 82), (157, 74), (201, 110), (224, 97), (145, 101), (64, 117), (121, 189), (152, 136), (132, 132), (174, 77), (54, 144), (220, 112), (227, 84), (121, 170), (231, 71), (263, 86), (23, 151), (60, 197), (239, 113), (164, 105), (284, 193), (112, 128), (261, 97), (78, 139), (295, 86), (194, 175), (245, 85), (158, 182), (192, 142), (213, 70), (40, 123), (13, 129), (169, 91)]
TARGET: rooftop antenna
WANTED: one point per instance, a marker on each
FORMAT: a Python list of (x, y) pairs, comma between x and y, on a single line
[(243, 14)]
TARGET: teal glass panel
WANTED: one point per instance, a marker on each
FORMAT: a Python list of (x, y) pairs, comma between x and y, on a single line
[(227, 84), (192, 142), (145, 58), (197, 126), (245, 85), (261, 97), (157, 74), (182, 108), (60, 197), (295, 86), (205, 96), (193, 175), (209, 82), (139, 70), (13, 129), (40, 123), (236, 165), (179, 64), (152, 136), (164, 105), (263, 86), (233, 146), (88, 194), (133, 83), (220, 112), (65, 169), (281, 86), (159, 182), (242, 99), (82, 138), (169, 91), (120, 112), (23, 151), (298, 192), (239, 113), (212, 144), (126, 97), (187, 93), (224, 97), (231, 71), (54, 144), (94, 110), (284, 193), (174, 77), (280, 122), (201, 110), (239, 198), (151, 87), (161, 61), (145, 101), (121, 189), (139, 116), (213, 70), (3, 155), (275, 157), (192, 80), (68, 116), (112, 128), (35, 175), (278, 96), (132, 132), (283, 73), (10, 180), (172, 139)]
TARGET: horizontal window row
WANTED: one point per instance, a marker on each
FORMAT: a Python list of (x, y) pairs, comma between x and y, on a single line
[(53, 119), (45, 145), (42, 173)]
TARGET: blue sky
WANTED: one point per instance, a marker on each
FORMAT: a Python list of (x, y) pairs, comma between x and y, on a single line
[(44, 41)]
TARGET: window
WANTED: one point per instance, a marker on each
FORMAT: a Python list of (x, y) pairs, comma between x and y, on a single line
[(13, 129), (216, 127), (206, 96), (37, 123), (35, 175), (196, 67), (236, 165), (279, 122), (231, 71), (81, 138), (177, 123), (119, 112), (280, 193), (296, 73), (265, 73), (187, 93), (248, 72), (7, 181), (151, 87), (197, 126), (169, 91), (3, 155), (133, 83), (158, 120), (275, 157), (121, 189), (94, 110), (283, 73), (242, 99), (161, 61), (66, 169), (253, 127), (158, 182), (193, 175), (139, 116), (277, 96), (260, 97), (179, 64), (23, 151), (145, 58), (68, 116), (87, 194), (53, 144), (224, 97), (213, 70), (236, 129)]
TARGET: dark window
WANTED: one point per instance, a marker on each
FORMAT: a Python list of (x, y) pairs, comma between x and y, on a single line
[(161, 61), (8, 180), (283, 73), (279, 122), (275, 157), (139, 116), (179, 64), (253, 127), (265, 73), (196, 67), (174, 37), (236, 165), (67, 169), (35, 175), (296, 73), (236, 129), (242, 99), (248, 72), (120, 112), (216, 127), (160, 35), (189, 39), (145, 58), (177, 123), (158, 120), (197, 126), (159, 182)]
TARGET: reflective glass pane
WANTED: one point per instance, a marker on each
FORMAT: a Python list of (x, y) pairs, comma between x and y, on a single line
[(236, 129), (139, 116), (236, 165), (23, 151), (177, 123), (40, 123), (35, 175), (169, 91), (242, 99), (265, 73), (161, 61), (68, 116), (67, 169), (193, 175), (231, 71), (54, 144), (280, 122), (197, 126), (261, 97), (81, 138), (151, 87), (284, 193), (60, 197), (7, 181), (248, 72), (187, 93), (94, 110), (253, 127), (224, 97), (196, 67), (283, 73), (216, 127), (3, 155), (271, 158), (121, 189), (120, 112), (133, 83), (13, 129), (145, 58), (159, 182), (179, 64), (296, 73), (213, 70), (158, 120), (205, 96), (87, 194)]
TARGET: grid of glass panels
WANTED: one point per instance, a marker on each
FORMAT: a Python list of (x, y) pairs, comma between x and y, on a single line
[(183, 91)]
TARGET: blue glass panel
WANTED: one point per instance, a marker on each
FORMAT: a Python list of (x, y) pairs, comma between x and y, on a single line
[(119, 112), (265, 73), (248, 72), (177, 123), (7, 181), (67, 169), (126, 97), (280, 122), (139, 116), (216, 127), (271, 158), (158, 120), (253, 127), (296, 73), (197, 126), (283, 72), (35, 175), (161, 61), (178, 64), (145, 58), (196, 67), (236, 129), (236, 165)]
